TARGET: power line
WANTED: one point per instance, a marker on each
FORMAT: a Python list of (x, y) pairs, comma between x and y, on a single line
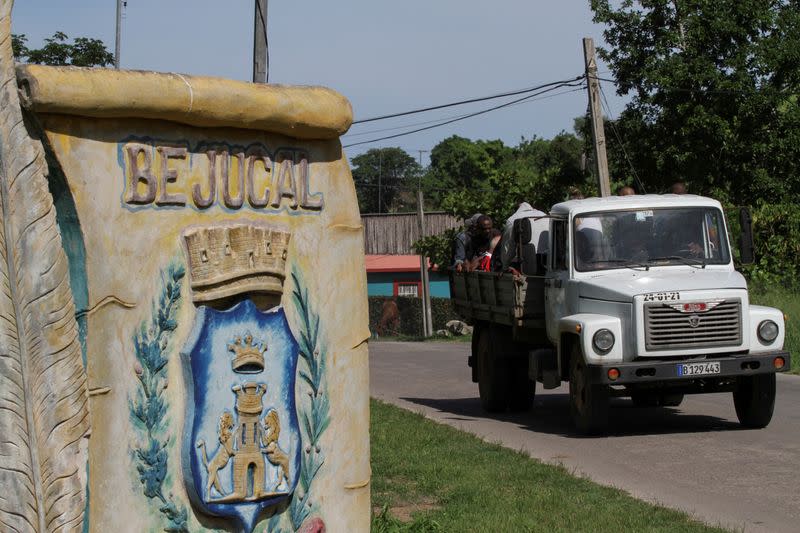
[(469, 101), (423, 123), (470, 115)]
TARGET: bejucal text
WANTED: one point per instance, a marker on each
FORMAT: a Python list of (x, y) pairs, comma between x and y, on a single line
[(173, 176)]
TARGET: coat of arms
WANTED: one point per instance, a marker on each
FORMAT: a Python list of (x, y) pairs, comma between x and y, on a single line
[(241, 449)]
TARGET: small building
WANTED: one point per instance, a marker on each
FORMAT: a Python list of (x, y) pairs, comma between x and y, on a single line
[(392, 267), (398, 275)]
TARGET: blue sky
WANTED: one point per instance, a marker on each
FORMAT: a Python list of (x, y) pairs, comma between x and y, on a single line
[(384, 56)]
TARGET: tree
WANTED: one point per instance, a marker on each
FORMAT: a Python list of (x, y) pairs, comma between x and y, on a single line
[(385, 179), (714, 86), (467, 176), (18, 46), (460, 163), (82, 52)]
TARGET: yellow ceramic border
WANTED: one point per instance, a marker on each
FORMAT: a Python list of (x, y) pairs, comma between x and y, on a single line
[(299, 112)]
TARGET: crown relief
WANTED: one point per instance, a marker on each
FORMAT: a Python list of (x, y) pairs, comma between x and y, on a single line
[(227, 260), (248, 354)]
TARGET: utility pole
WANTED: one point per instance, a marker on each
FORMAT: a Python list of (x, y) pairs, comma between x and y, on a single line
[(427, 321), (117, 44), (596, 113), (380, 172), (419, 184), (260, 47)]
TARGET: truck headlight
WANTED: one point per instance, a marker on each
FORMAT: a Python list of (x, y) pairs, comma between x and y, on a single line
[(767, 331), (603, 341)]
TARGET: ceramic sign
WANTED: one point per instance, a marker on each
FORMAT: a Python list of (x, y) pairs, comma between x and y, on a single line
[(185, 306)]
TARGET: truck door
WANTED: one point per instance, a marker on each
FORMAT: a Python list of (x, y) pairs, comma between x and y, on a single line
[(556, 279)]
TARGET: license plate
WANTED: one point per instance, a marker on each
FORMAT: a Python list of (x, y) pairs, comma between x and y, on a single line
[(662, 296), (699, 369)]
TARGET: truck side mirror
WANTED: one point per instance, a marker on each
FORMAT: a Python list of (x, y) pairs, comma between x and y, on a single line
[(746, 254)]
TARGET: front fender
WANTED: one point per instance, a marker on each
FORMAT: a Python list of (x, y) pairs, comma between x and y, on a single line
[(584, 326), (759, 313)]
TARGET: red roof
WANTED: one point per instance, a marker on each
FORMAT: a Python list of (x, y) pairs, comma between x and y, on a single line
[(392, 263)]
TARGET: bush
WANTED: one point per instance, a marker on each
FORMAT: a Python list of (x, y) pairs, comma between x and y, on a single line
[(411, 314), (776, 240), (776, 235)]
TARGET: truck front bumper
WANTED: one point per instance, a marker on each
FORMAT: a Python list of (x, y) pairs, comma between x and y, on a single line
[(653, 371)]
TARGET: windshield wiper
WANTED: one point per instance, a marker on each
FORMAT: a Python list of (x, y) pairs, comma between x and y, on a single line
[(621, 262), (697, 263)]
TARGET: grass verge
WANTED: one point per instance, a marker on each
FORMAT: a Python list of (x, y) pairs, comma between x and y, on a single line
[(428, 477), (789, 303)]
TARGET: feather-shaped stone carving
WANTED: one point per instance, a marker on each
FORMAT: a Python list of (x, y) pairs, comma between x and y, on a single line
[(43, 396)]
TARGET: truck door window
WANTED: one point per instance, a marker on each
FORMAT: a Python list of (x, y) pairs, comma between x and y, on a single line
[(559, 245)]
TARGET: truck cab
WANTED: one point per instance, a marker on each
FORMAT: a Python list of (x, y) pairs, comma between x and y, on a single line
[(638, 298)]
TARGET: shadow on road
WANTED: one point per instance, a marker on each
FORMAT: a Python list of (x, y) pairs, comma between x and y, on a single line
[(550, 414)]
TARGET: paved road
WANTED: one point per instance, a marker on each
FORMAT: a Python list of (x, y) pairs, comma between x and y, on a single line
[(694, 457)]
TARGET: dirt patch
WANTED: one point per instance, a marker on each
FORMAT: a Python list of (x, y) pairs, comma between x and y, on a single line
[(403, 510)]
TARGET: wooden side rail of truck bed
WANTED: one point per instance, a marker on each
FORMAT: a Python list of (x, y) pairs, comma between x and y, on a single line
[(510, 299)]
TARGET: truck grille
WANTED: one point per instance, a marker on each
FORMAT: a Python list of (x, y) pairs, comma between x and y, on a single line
[(667, 328)]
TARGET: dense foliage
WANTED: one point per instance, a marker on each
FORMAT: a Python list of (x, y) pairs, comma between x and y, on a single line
[(714, 87), (385, 179), (467, 176), (776, 235), (82, 52)]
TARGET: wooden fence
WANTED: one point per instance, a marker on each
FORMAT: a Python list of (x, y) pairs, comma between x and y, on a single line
[(395, 233)]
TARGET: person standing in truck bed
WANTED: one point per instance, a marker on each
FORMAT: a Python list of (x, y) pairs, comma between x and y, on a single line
[(462, 241)]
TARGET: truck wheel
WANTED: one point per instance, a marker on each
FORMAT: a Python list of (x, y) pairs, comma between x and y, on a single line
[(588, 402), (477, 330), (754, 400), (523, 389), (493, 382)]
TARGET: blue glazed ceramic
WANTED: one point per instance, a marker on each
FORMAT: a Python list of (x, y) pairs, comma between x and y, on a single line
[(241, 453)]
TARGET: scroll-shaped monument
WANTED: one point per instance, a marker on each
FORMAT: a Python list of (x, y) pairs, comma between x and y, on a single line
[(184, 275)]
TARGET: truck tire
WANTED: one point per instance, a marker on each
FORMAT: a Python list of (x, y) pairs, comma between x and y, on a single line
[(493, 376), (754, 400), (473, 359), (588, 402), (523, 389)]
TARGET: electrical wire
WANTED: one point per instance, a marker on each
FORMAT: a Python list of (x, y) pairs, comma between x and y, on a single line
[(619, 139), (470, 115), (414, 124), (469, 101)]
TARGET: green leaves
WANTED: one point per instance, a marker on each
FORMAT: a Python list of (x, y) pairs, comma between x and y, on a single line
[(83, 52), (149, 407), (316, 417), (712, 84), (385, 179)]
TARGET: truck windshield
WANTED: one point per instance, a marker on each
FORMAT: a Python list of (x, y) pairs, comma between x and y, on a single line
[(646, 238)]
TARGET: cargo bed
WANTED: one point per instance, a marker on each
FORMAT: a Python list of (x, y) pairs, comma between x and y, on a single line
[(510, 299)]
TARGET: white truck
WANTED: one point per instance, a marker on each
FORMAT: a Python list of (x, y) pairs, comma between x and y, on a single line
[(633, 296)]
